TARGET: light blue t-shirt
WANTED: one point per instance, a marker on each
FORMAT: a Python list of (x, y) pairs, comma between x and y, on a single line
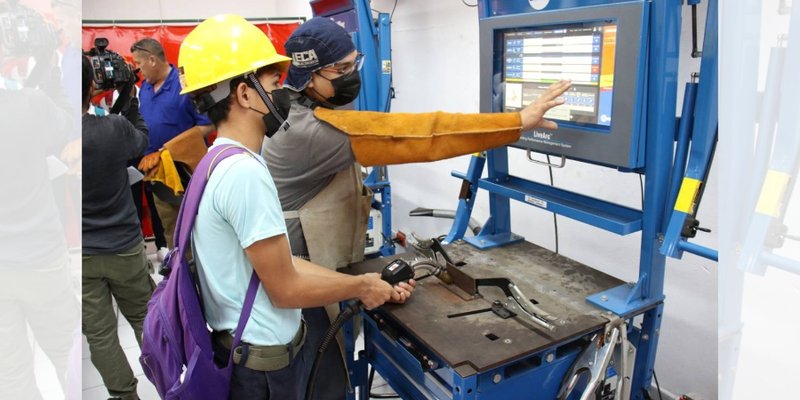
[(239, 207)]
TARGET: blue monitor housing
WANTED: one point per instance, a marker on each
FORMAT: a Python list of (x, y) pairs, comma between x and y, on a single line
[(600, 49)]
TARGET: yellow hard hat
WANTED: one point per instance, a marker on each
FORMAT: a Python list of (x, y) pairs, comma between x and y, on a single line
[(221, 48)]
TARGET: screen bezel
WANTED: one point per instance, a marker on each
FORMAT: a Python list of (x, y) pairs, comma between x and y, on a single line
[(623, 145)]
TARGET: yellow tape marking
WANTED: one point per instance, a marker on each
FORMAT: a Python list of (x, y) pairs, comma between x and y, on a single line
[(772, 192), (687, 195)]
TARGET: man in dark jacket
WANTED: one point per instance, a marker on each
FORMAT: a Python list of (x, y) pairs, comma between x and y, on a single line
[(114, 262)]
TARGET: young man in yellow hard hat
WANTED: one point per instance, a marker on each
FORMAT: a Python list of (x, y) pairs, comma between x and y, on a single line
[(232, 71)]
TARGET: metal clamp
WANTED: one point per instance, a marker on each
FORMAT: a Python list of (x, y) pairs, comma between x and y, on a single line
[(518, 303), (595, 359), (534, 313), (545, 163)]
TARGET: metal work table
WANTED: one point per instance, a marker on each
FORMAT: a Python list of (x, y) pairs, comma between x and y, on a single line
[(479, 342)]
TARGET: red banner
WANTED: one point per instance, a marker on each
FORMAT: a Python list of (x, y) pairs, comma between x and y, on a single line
[(121, 38)]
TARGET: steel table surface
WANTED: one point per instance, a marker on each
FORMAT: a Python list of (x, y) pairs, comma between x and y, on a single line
[(479, 342)]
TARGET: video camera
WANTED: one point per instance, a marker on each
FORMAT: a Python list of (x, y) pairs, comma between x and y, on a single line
[(109, 68), (23, 32)]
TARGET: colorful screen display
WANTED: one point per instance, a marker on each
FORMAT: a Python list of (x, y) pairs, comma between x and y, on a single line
[(584, 53)]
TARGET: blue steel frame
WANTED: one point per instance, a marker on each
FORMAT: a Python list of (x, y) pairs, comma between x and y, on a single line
[(378, 63), (704, 138), (373, 39), (646, 296)]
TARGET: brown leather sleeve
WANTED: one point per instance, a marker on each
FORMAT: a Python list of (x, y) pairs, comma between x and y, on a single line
[(188, 147), (396, 138)]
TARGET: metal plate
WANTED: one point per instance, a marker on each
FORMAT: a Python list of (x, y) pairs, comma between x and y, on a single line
[(480, 342)]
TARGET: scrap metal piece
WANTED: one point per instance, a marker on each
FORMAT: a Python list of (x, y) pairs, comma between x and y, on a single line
[(497, 308), (462, 280)]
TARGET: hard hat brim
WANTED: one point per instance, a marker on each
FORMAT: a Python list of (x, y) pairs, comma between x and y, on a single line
[(281, 61)]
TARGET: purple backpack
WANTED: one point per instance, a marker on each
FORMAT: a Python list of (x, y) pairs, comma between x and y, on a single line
[(176, 346)]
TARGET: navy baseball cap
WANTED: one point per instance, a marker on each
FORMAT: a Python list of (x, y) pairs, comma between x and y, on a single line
[(315, 44)]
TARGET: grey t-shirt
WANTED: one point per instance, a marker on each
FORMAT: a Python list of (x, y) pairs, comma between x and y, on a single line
[(110, 223), (302, 161)]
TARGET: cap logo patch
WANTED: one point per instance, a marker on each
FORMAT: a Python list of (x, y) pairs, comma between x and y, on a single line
[(305, 59)]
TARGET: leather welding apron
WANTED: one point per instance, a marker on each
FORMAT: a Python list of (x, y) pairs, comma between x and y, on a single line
[(334, 222), (334, 225)]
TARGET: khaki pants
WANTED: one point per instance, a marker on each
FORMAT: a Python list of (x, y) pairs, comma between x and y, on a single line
[(125, 277), (43, 302), (169, 217)]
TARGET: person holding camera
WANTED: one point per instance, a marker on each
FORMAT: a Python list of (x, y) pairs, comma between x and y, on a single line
[(114, 261), (174, 124), (38, 303)]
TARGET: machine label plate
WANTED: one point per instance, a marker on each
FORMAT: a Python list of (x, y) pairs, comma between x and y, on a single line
[(535, 201)]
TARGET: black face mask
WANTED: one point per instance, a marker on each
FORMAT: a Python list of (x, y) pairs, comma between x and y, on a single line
[(278, 107), (281, 101), (346, 88)]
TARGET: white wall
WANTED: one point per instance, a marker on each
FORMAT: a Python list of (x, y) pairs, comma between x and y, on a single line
[(166, 9), (436, 68)]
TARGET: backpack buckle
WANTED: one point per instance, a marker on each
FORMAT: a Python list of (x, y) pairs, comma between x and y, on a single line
[(165, 268)]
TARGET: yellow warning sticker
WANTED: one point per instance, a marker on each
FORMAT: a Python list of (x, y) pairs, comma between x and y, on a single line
[(772, 192), (687, 195)]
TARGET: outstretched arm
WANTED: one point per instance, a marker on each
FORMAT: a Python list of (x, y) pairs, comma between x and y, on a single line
[(396, 138)]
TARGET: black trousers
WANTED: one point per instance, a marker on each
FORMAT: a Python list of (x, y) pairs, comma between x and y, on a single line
[(158, 230), (332, 376), (290, 383)]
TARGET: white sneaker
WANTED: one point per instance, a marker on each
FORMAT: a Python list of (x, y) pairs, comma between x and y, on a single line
[(162, 253)]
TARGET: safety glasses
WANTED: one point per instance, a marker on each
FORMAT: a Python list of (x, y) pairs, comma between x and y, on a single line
[(136, 47), (345, 68)]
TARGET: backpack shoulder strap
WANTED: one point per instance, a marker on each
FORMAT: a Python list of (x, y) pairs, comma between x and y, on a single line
[(188, 214), (194, 192)]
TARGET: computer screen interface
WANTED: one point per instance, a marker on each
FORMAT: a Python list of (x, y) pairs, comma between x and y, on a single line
[(583, 53)]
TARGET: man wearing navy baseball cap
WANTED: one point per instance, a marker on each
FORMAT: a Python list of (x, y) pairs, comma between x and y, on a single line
[(316, 162), (322, 49)]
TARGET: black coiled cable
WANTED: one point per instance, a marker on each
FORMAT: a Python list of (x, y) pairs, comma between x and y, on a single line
[(352, 308)]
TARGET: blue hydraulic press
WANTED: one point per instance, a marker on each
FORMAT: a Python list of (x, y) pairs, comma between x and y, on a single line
[(508, 319)]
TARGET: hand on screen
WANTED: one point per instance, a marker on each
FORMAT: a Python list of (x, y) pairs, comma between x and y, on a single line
[(533, 114)]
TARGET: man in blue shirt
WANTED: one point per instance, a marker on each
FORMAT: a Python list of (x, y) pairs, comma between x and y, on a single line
[(168, 114)]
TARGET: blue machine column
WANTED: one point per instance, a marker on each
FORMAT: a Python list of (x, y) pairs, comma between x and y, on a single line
[(497, 229), (665, 23)]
